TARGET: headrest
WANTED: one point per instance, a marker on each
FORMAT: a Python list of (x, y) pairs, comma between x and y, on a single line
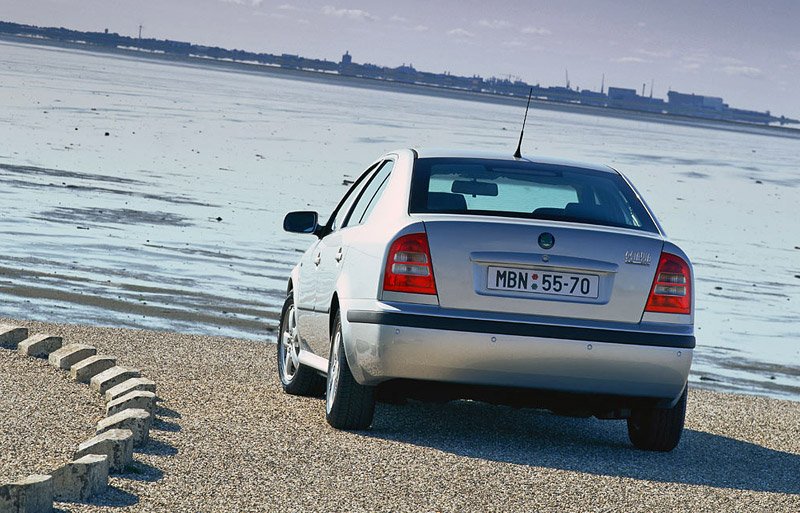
[(445, 201)]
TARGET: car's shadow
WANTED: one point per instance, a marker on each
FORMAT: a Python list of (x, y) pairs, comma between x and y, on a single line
[(601, 447)]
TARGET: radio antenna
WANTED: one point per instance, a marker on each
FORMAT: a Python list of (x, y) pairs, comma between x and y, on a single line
[(518, 153)]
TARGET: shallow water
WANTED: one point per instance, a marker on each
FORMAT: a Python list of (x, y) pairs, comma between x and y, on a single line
[(173, 219)]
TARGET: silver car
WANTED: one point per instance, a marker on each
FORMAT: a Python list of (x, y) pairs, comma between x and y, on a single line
[(533, 282)]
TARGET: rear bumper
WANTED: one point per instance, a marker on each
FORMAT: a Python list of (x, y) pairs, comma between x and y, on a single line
[(395, 344)]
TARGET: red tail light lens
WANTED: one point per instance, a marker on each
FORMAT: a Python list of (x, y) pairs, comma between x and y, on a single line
[(672, 287), (408, 266)]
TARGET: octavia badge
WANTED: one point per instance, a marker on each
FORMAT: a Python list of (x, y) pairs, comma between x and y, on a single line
[(637, 257), (546, 240)]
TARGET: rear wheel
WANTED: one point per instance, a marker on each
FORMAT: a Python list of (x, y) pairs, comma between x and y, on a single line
[(653, 429), (348, 405), (296, 378)]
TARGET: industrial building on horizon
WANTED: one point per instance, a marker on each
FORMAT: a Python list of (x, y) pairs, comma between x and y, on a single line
[(681, 104)]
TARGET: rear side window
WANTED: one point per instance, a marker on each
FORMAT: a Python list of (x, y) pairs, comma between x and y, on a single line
[(343, 209), (527, 190), (372, 193)]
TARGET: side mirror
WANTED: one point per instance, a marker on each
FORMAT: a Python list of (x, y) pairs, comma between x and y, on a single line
[(301, 222)]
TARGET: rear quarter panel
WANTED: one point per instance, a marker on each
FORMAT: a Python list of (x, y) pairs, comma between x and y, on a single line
[(366, 245)]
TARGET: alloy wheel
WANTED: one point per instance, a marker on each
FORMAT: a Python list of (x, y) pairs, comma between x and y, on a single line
[(290, 346), (333, 372)]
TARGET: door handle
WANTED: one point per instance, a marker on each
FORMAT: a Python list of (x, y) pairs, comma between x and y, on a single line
[(339, 255), (317, 258)]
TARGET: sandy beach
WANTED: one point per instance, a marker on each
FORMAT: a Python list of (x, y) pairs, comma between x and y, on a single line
[(230, 440)]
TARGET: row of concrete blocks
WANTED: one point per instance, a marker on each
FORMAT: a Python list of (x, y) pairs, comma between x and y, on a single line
[(130, 406)]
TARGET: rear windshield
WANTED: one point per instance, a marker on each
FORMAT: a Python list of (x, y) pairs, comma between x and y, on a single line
[(526, 190)]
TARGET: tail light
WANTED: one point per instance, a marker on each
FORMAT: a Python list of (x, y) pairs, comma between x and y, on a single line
[(672, 287), (408, 266)]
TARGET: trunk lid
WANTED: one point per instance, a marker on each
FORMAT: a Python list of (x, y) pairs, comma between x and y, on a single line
[(498, 265)]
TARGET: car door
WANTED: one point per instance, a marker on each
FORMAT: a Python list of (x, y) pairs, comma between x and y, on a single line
[(325, 259), (304, 291)]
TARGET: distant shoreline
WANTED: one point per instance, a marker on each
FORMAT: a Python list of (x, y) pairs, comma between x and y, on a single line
[(409, 88)]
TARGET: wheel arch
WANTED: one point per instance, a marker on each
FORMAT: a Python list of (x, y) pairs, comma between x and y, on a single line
[(293, 282), (347, 341), (332, 313)]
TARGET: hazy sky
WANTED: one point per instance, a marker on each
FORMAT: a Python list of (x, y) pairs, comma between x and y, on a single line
[(746, 51)]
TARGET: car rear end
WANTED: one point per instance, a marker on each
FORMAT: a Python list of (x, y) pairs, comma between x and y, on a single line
[(520, 275)]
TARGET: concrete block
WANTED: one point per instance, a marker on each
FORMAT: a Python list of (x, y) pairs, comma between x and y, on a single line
[(142, 400), (86, 369), (117, 444), (81, 479), (138, 421), (112, 377), (68, 356), (11, 336), (34, 494), (40, 345), (131, 385)]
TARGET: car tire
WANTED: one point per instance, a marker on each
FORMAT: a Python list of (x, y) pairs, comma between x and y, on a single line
[(653, 429), (296, 378), (348, 405)]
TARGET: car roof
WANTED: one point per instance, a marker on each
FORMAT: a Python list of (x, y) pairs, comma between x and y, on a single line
[(494, 155)]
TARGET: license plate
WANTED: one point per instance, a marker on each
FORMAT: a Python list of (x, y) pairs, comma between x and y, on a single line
[(543, 282)]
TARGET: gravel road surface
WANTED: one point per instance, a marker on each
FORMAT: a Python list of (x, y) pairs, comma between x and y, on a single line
[(44, 415), (229, 440)]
